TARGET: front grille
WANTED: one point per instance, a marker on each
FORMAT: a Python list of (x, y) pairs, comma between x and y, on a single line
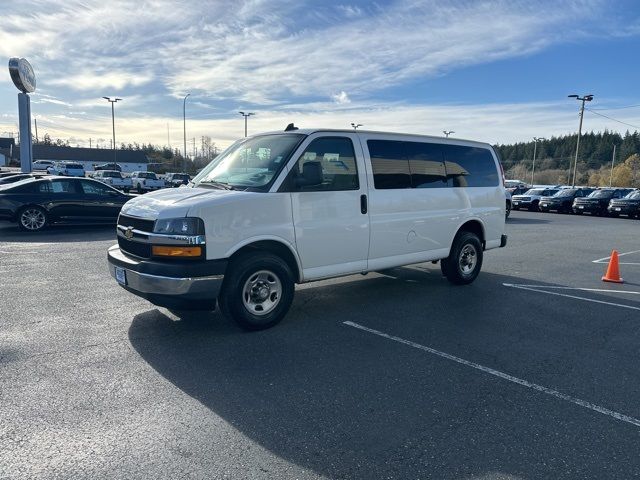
[(138, 249), (137, 223)]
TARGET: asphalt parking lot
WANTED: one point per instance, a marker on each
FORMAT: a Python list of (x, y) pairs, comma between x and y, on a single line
[(530, 372)]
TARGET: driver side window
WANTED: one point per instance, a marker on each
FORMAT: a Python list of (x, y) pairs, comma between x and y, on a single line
[(335, 158)]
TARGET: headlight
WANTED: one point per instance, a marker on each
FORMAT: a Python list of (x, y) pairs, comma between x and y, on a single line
[(180, 226)]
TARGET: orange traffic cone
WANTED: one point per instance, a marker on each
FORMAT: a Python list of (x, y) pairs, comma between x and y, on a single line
[(613, 270)]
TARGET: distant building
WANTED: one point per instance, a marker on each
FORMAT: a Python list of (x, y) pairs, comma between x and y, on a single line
[(6, 150), (129, 160)]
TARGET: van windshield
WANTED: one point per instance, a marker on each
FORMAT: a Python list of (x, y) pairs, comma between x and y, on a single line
[(251, 162)]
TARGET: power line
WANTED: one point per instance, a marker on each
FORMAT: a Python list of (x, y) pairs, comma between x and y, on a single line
[(619, 121), (616, 108)]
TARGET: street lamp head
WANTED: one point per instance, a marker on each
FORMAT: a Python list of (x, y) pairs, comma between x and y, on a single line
[(107, 99), (588, 98), (572, 96), (241, 113)]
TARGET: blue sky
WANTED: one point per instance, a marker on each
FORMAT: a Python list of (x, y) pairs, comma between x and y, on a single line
[(495, 70)]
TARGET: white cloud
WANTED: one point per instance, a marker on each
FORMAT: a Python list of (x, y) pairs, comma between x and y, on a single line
[(341, 98)]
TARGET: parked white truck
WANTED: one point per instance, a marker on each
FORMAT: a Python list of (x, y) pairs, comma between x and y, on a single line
[(296, 206), (113, 178), (145, 181)]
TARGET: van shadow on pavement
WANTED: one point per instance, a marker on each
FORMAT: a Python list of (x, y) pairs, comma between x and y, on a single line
[(348, 404)]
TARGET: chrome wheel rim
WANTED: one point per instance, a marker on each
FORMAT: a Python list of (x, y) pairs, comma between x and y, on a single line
[(262, 292), (32, 219), (468, 259)]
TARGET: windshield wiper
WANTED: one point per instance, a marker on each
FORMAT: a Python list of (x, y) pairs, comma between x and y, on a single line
[(220, 185)]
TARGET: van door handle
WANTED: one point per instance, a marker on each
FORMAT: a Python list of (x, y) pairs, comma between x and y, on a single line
[(363, 204)]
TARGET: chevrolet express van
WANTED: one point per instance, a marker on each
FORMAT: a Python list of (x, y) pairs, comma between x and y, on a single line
[(296, 206)]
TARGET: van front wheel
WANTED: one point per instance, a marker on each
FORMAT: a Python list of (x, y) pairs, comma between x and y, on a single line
[(257, 291), (464, 262)]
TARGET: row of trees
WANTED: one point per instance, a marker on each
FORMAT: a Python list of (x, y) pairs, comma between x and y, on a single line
[(555, 156)]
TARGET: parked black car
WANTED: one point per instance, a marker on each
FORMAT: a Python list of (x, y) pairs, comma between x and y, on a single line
[(17, 177), (598, 201), (108, 166), (629, 205), (35, 203), (562, 201)]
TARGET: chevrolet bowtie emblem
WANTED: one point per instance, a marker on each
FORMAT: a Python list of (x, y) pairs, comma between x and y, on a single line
[(128, 233)]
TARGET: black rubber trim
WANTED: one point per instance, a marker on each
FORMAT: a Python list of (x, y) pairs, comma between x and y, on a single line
[(177, 302), (174, 269)]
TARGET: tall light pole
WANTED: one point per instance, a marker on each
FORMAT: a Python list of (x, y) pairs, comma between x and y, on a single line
[(448, 132), (246, 115), (535, 148), (184, 124), (356, 125), (113, 123), (586, 98)]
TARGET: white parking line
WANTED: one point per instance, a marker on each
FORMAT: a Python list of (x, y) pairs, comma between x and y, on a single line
[(504, 376), (607, 290), (538, 290), (606, 259)]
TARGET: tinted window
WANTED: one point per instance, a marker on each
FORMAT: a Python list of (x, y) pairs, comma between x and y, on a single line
[(470, 166), (338, 161), (63, 186), (425, 165), (389, 164), (95, 188)]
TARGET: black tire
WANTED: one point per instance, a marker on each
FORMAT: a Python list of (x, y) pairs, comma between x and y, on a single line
[(268, 277), (464, 262), (32, 218), (507, 211), (140, 189)]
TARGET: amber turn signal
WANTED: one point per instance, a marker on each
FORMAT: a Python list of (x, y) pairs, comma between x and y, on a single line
[(162, 251)]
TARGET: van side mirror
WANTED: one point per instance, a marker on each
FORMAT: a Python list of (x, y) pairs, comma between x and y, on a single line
[(311, 175)]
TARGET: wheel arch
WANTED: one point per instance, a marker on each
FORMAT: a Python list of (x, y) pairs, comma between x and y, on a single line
[(473, 226), (275, 245)]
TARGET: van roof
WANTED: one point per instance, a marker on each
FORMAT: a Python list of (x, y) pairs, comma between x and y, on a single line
[(309, 131)]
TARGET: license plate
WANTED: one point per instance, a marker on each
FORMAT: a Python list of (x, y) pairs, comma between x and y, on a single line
[(121, 276), (617, 209), (545, 204), (580, 206), (515, 203)]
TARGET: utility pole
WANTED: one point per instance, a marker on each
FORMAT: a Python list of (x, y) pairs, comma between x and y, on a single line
[(35, 120), (89, 142), (586, 98), (356, 125), (168, 139), (195, 151), (613, 159), (535, 147), (184, 123)]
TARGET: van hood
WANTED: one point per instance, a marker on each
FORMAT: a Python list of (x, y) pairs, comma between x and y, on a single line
[(176, 202)]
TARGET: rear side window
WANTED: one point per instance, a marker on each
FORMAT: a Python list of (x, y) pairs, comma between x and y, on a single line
[(426, 165), (389, 164), (470, 166)]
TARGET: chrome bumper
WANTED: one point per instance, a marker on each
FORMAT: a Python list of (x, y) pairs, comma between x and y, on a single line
[(199, 292), (145, 283)]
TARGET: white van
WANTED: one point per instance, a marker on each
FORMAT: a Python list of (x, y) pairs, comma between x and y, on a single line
[(289, 207)]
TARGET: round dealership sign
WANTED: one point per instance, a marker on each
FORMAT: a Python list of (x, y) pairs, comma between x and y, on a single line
[(22, 75)]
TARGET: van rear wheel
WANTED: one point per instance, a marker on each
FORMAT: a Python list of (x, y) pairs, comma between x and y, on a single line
[(258, 290), (464, 262)]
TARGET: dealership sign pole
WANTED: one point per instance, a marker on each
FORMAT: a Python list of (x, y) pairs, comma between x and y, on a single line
[(25, 80)]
